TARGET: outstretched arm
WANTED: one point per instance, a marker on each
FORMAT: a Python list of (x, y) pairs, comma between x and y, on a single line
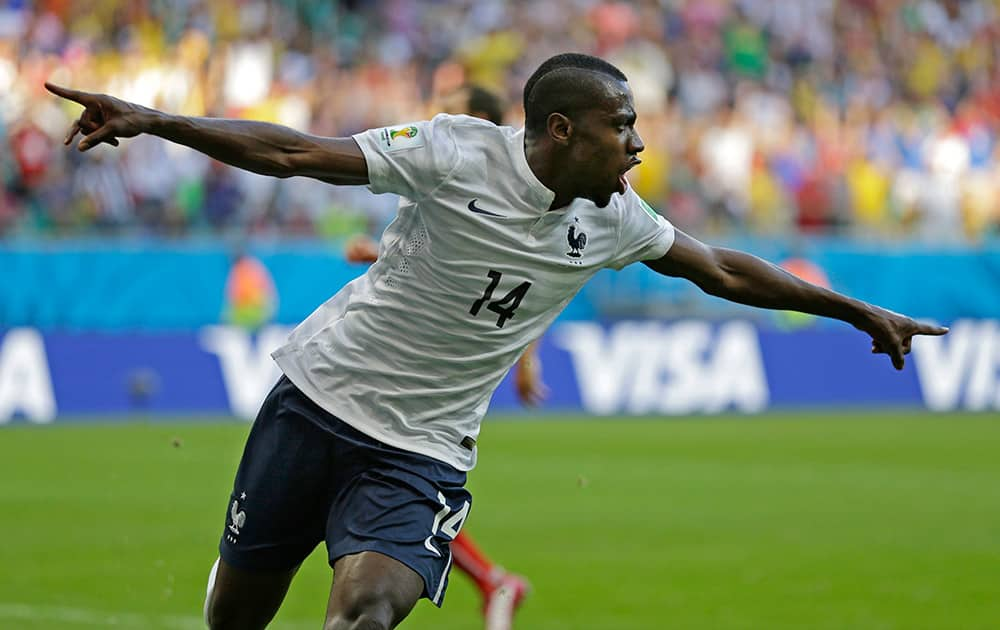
[(260, 147), (741, 277)]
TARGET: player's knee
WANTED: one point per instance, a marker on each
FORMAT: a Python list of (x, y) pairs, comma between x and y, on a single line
[(220, 617), (210, 591), (218, 614), (226, 613), (364, 622), (215, 618), (363, 609)]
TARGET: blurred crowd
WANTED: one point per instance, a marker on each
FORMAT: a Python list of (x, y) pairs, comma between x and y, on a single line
[(867, 118)]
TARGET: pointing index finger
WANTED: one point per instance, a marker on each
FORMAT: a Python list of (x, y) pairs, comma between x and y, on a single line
[(928, 329), (76, 96)]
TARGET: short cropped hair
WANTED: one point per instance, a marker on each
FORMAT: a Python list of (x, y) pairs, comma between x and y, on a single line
[(566, 83)]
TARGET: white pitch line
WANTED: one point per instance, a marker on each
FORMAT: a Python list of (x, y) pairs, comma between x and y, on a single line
[(91, 617), (107, 619)]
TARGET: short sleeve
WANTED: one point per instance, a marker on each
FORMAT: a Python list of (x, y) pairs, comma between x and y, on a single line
[(411, 159), (642, 233)]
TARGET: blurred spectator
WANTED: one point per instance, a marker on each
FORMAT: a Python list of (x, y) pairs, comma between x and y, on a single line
[(822, 116), (251, 299)]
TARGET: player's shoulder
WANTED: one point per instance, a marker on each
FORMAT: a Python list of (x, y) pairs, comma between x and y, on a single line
[(477, 141), (462, 125), (462, 121)]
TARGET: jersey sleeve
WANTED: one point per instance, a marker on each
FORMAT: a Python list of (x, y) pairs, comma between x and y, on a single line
[(643, 234), (411, 159)]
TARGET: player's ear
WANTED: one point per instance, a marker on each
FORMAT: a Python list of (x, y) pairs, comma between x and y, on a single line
[(560, 127)]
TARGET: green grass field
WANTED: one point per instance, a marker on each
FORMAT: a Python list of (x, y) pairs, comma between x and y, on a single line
[(813, 522)]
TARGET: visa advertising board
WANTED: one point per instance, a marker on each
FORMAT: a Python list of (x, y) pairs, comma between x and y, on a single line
[(646, 367)]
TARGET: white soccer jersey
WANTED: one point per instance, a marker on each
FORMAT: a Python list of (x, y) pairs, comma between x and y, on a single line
[(473, 269)]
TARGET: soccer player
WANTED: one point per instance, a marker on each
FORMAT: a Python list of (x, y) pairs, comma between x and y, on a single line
[(502, 591), (366, 440)]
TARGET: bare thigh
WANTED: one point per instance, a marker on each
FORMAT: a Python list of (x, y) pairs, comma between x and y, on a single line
[(246, 599), (371, 590)]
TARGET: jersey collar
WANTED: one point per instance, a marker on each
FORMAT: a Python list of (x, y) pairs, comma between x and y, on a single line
[(535, 191)]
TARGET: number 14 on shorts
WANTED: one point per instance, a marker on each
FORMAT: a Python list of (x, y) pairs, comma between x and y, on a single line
[(446, 523)]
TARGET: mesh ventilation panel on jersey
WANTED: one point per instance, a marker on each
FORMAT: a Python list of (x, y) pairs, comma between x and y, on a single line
[(416, 242)]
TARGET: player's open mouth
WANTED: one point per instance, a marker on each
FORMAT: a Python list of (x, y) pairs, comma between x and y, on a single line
[(622, 182)]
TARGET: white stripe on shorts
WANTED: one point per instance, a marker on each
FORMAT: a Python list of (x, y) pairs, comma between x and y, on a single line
[(447, 566)]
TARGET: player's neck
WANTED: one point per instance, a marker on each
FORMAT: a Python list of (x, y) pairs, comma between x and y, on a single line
[(541, 162)]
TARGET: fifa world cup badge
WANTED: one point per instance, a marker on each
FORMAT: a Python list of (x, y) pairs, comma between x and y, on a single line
[(402, 137)]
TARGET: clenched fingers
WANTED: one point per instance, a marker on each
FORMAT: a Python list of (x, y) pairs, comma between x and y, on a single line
[(75, 129), (896, 354), (105, 133), (83, 124)]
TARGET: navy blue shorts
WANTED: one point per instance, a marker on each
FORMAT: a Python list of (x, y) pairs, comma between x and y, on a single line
[(307, 476)]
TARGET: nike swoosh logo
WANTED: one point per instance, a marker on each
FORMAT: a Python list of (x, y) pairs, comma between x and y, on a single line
[(478, 210)]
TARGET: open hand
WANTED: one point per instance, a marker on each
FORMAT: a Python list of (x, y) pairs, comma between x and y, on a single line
[(104, 118), (893, 334)]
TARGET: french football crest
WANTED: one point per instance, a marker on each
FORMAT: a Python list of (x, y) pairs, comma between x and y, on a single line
[(577, 239), (237, 518)]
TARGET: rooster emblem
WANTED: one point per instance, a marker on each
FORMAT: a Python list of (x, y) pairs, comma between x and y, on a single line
[(577, 240), (237, 517)]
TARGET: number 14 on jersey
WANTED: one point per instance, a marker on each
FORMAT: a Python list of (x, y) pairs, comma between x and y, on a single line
[(505, 306)]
